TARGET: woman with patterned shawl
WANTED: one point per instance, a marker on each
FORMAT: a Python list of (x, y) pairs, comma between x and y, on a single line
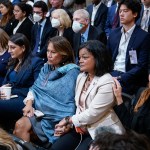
[(52, 93)]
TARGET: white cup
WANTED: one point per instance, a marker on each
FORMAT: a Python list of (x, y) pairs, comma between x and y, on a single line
[(6, 91)]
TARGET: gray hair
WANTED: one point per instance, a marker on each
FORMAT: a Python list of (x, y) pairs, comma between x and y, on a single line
[(83, 13)]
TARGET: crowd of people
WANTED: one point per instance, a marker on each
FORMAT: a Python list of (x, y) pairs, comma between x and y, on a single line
[(68, 65)]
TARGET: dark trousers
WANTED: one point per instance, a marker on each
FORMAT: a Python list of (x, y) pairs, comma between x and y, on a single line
[(72, 141)]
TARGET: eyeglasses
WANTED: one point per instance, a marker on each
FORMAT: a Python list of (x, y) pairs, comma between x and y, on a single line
[(38, 12)]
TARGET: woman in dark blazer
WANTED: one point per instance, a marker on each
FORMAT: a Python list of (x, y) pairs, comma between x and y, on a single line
[(4, 55), (62, 22), (23, 24), (23, 71)]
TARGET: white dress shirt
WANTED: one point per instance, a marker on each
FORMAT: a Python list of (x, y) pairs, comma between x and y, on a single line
[(119, 64), (95, 8)]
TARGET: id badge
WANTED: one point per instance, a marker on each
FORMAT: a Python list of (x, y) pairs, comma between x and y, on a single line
[(133, 57)]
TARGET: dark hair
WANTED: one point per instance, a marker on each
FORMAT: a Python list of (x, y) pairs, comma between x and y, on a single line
[(102, 56), (25, 8), (21, 40), (42, 5), (63, 47), (133, 5), (128, 141), (9, 14)]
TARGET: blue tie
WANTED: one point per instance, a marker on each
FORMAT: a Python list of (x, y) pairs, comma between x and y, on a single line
[(37, 42), (82, 39)]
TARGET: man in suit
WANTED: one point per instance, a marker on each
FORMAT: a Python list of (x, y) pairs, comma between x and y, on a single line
[(98, 14), (84, 31), (112, 21), (129, 46), (42, 30), (144, 20)]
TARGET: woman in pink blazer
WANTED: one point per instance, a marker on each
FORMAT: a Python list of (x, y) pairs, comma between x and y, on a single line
[(94, 100)]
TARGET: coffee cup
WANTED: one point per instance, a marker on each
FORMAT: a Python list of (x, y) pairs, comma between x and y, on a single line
[(6, 91)]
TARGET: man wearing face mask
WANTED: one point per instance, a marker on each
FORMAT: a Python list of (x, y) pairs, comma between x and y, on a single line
[(42, 30), (84, 31)]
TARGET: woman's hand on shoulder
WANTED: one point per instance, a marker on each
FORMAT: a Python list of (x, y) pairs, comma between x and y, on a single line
[(117, 91)]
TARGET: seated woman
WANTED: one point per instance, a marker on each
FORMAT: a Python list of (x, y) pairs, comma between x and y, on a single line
[(62, 22), (23, 69), (23, 25), (52, 93), (4, 55), (94, 100), (137, 117), (7, 19)]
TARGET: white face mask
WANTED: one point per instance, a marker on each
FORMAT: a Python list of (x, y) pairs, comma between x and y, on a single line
[(55, 23), (77, 26), (36, 17)]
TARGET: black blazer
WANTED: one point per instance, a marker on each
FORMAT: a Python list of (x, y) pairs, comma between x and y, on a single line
[(47, 33), (100, 17), (25, 28), (93, 34), (68, 34)]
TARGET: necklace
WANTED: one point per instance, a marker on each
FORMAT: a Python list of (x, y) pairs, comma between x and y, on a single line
[(87, 84)]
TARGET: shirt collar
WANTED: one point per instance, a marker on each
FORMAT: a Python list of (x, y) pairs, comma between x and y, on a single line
[(130, 31), (97, 6), (85, 34), (146, 8), (43, 22)]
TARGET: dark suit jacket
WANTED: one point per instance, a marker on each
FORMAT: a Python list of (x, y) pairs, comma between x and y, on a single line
[(25, 28), (100, 17), (68, 34), (3, 63), (140, 19), (136, 75), (25, 77), (47, 33), (110, 19), (92, 35), (10, 26)]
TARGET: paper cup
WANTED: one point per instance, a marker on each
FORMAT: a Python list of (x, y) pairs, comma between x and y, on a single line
[(6, 91)]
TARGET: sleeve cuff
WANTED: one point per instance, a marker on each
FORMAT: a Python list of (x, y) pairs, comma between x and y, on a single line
[(75, 121), (29, 97)]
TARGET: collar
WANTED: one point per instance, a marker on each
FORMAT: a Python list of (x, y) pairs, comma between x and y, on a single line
[(85, 34), (146, 8), (22, 20), (43, 22), (130, 31), (97, 6)]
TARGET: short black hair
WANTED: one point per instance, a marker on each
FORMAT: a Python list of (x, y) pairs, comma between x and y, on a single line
[(128, 141), (42, 5), (133, 5), (101, 54)]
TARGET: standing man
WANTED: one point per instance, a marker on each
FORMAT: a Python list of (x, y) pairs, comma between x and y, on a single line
[(42, 30), (129, 46), (84, 31), (98, 14)]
